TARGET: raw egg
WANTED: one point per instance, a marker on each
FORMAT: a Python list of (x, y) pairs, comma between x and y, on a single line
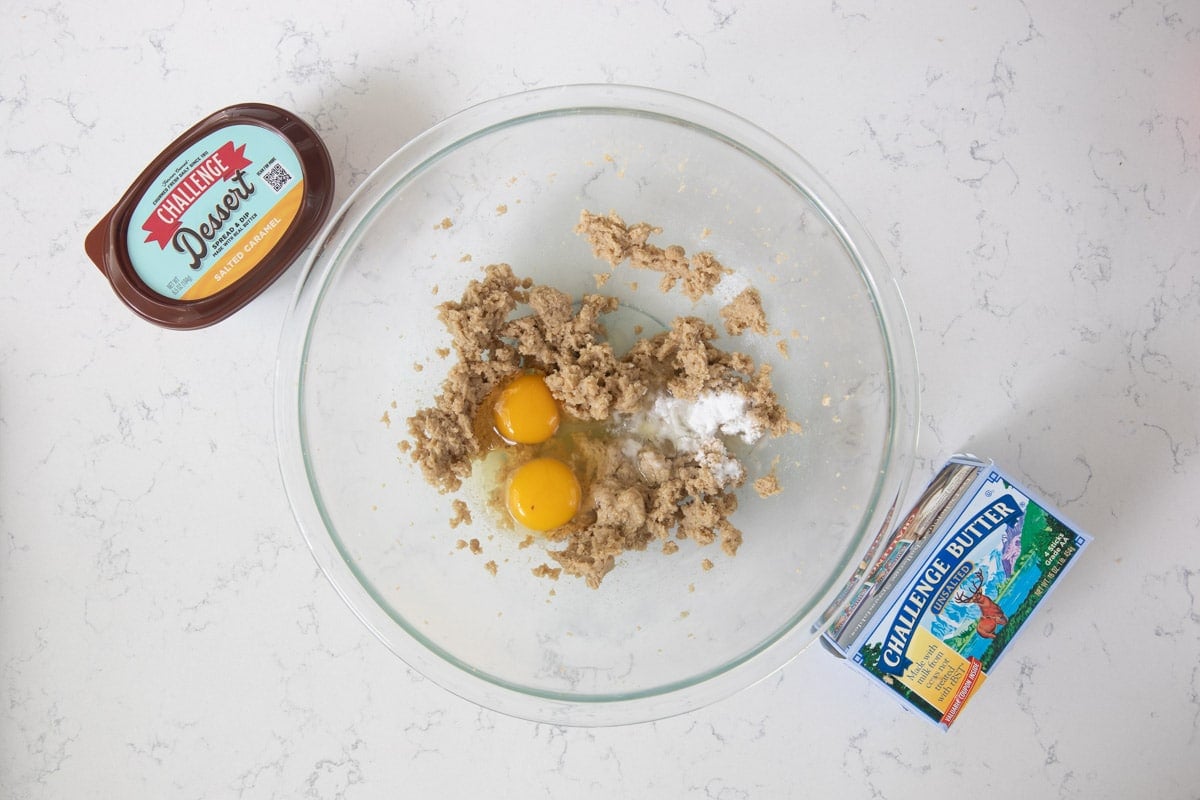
[(525, 412), (543, 494)]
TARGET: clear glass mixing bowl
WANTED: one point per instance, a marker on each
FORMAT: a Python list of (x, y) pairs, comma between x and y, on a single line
[(505, 181)]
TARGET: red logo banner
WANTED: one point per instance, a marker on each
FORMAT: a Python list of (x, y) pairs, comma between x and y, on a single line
[(220, 166)]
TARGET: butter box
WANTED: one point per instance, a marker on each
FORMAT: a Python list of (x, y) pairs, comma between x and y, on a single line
[(937, 602)]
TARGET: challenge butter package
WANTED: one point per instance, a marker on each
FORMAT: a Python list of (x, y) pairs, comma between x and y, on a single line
[(945, 593)]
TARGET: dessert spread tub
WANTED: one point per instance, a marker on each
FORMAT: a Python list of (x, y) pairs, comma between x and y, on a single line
[(216, 217)]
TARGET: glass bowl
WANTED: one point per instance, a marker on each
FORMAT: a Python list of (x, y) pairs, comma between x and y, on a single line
[(505, 181)]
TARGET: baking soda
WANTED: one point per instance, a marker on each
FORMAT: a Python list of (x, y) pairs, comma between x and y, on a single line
[(697, 426)]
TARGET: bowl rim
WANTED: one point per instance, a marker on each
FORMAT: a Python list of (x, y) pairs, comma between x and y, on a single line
[(340, 235)]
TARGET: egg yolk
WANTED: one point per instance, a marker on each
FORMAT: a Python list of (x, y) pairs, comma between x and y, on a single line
[(543, 494), (525, 412)]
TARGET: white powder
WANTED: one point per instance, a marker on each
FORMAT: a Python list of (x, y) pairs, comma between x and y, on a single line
[(724, 467), (696, 426), (691, 423)]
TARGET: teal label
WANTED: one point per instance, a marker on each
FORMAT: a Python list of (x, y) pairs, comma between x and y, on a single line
[(215, 212)]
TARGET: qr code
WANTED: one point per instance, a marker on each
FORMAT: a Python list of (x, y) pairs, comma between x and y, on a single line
[(277, 177)]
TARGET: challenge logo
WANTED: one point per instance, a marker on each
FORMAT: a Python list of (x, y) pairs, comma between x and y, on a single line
[(165, 224), (893, 659)]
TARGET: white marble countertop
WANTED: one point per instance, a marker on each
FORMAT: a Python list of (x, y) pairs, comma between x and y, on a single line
[(1031, 170)]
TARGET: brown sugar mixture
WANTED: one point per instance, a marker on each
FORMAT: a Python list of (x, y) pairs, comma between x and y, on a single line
[(745, 312), (614, 241), (637, 480), (462, 514)]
